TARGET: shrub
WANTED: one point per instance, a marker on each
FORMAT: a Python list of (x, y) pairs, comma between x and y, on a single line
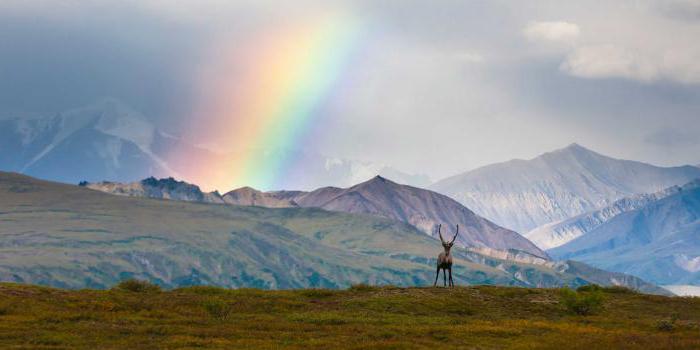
[(137, 286), (581, 303), (317, 293), (4, 309), (665, 325), (619, 290), (589, 288), (218, 309), (668, 324), (362, 287), (203, 290)]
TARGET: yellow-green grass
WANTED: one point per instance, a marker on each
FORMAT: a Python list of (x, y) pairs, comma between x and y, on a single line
[(358, 318)]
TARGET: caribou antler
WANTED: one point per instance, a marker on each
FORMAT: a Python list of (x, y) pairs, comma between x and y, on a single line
[(440, 234), (455, 237)]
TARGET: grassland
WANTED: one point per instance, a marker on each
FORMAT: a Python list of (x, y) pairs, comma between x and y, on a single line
[(357, 318)]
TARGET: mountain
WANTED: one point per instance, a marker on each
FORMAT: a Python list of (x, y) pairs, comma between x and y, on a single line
[(524, 194), (105, 140), (157, 188), (659, 242), (555, 234), (379, 197), (108, 140), (251, 196), (74, 237), (421, 208)]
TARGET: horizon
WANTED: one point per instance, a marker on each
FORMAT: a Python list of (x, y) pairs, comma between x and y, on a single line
[(433, 181)]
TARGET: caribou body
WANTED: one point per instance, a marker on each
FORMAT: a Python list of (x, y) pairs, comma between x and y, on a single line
[(444, 260)]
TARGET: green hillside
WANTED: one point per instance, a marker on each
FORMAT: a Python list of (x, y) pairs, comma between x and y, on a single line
[(359, 318), (72, 237)]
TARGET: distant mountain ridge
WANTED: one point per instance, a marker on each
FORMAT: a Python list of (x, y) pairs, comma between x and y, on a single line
[(379, 197), (555, 234), (524, 194), (100, 141), (72, 237), (167, 188), (108, 140), (659, 242)]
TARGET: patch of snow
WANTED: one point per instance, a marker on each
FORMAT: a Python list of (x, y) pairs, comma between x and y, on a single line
[(684, 290)]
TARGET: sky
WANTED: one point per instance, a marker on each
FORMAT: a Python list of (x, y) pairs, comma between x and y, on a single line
[(430, 87)]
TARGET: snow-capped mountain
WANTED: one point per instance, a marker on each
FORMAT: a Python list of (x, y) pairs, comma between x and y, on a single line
[(105, 140), (524, 194), (555, 234), (108, 141), (659, 242)]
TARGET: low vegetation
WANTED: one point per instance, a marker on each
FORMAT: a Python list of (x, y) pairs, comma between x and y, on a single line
[(138, 315), (584, 301)]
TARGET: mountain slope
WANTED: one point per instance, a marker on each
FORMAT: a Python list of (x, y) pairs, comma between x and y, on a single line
[(659, 242), (421, 208), (524, 194), (105, 140), (71, 236), (555, 234), (379, 197)]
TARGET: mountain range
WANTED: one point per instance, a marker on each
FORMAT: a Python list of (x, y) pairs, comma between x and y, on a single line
[(74, 237), (108, 140), (525, 194), (659, 242), (378, 196), (555, 234)]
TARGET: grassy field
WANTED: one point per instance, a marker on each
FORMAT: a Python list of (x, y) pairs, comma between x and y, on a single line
[(360, 317)]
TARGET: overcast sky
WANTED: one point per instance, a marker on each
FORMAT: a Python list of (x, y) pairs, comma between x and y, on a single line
[(434, 87)]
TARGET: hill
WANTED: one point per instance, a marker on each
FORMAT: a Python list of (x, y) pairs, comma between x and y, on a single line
[(361, 317), (658, 242), (74, 237), (421, 208), (378, 197), (524, 194)]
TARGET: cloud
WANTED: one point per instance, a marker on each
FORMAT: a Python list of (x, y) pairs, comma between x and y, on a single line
[(612, 61), (558, 31), (469, 57), (608, 61), (681, 9)]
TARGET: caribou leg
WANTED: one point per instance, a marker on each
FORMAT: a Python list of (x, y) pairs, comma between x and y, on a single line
[(452, 283), (444, 277), (437, 274)]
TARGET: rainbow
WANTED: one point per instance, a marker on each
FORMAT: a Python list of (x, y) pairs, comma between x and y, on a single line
[(266, 96)]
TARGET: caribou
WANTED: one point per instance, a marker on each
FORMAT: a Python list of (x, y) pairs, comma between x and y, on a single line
[(444, 260)]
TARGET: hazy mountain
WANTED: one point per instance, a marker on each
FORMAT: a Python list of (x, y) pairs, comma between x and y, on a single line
[(379, 197), (555, 234), (107, 140), (71, 236), (157, 188), (659, 242), (524, 194)]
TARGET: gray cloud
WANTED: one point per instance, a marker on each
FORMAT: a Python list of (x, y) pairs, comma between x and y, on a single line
[(672, 138)]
